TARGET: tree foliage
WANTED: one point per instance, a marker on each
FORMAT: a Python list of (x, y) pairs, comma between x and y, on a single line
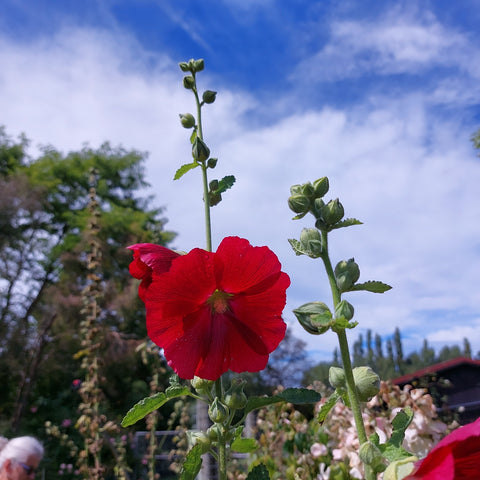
[(43, 266)]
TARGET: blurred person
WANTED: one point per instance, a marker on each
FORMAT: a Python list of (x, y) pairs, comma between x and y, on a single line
[(19, 458)]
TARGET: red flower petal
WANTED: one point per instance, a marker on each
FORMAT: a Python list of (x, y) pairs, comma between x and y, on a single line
[(212, 312), (456, 457), (149, 258)]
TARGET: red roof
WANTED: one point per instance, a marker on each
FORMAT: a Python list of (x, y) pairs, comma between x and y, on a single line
[(437, 367)]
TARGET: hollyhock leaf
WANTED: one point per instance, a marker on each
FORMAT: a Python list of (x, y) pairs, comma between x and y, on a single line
[(192, 464), (291, 395), (327, 406), (184, 169), (400, 423), (244, 445), (346, 223), (300, 396), (225, 183), (149, 404), (260, 472), (297, 247), (370, 286)]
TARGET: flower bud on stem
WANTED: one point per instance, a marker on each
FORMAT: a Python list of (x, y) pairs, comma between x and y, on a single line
[(345, 354)]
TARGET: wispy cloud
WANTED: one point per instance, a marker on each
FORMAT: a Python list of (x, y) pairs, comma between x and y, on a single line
[(401, 41)]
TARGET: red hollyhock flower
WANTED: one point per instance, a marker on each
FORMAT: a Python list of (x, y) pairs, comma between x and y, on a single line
[(149, 258), (213, 312), (456, 457)]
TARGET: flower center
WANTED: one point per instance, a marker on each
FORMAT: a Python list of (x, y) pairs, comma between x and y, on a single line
[(218, 301)]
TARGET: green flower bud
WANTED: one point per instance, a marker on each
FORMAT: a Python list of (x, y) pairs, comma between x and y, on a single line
[(188, 82), (199, 438), (187, 120), (332, 212), (371, 455), (235, 398), (307, 189), (347, 273), (184, 66), (213, 185), (212, 433), (218, 412), (320, 187), (399, 469), (198, 65), (296, 190), (345, 310), (311, 241), (314, 317), (336, 377), (209, 96), (200, 151), (202, 386), (212, 162), (367, 383), (317, 207), (299, 203)]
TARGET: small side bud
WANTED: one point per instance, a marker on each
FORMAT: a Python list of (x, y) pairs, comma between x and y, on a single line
[(202, 386), (184, 66), (314, 317), (317, 207), (235, 398), (209, 96), (218, 412), (199, 438), (298, 203), (320, 187), (311, 241), (347, 273), (198, 65), (336, 377), (187, 120), (296, 190), (399, 469), (200, 151), (332, 212), (212, 162), (367, 383), (307, 189), (371, 455), (344, 309), (188, 82)]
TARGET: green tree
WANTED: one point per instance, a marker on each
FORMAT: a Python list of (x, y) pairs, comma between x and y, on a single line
[(43, 267)]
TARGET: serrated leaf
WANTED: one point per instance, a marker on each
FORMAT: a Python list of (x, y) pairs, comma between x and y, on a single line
[(296, 246), (292, 395), (259, 472), (371, 286), (225, 183), (327, 406), (300, 396), (149, 404), (400, 423), (184, 169), (244, 445), (192, 464), (346, 223)]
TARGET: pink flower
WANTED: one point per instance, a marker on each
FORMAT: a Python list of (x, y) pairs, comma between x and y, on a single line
[(456, 457)]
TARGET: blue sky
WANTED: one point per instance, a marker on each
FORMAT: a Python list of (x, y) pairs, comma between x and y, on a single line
[(380, 96)]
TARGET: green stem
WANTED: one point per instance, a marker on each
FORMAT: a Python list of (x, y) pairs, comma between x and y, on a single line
[(345, 354), (206, 200)]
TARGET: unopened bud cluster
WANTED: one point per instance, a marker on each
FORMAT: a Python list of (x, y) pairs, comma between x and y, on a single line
[(308, 198)]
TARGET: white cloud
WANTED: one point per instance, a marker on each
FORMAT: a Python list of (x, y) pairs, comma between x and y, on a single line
[(411, 177), (402, 40)]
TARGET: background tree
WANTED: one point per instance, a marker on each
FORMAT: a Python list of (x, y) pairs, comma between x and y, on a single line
[(44, 215)]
